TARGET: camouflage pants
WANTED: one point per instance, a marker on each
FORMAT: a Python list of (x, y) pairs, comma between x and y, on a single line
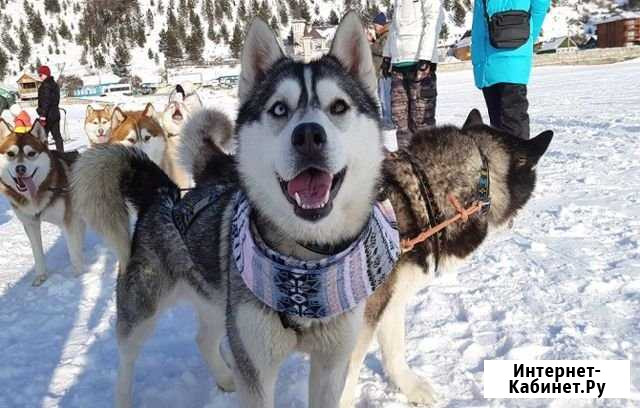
[(413, 103)]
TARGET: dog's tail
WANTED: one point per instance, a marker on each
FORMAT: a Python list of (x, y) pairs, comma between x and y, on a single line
[(108, 178), (206, 145)]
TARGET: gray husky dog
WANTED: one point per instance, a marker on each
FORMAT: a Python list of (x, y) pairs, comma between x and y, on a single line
[(310, 162)]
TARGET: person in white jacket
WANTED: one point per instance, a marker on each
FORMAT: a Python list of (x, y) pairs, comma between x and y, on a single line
[(410, 59)]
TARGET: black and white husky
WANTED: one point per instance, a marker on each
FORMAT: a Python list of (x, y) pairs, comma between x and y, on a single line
[(310, 164)]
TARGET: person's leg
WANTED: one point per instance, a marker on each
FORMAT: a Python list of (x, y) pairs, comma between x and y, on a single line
[(514, 114), (54, 128), (424, 93), (492, 98), (385, 99), (400, 108)]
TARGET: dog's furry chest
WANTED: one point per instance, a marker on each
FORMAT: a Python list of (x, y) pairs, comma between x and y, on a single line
[(48, 208)]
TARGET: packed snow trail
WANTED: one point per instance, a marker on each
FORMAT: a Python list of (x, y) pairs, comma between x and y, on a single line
[(563, 283)]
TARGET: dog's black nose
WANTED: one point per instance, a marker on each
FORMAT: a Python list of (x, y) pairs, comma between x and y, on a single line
[(21, 170), (309, 139)]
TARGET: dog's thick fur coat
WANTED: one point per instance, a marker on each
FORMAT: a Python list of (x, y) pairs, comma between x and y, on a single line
[(48, 198), (295, 118)]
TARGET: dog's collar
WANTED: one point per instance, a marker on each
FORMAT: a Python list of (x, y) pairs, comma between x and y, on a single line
[(482, 195), (316, 289)]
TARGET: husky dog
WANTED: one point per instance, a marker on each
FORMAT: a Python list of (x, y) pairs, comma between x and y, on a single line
[(443, 162), (97, 124), (310, 164), (172, 119), (35, 181)]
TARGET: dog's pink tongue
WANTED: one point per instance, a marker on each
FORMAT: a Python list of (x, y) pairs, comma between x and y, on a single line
[(312, 186), (28, 182)]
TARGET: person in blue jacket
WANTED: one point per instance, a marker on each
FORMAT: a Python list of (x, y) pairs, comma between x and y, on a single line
[(503, 74)]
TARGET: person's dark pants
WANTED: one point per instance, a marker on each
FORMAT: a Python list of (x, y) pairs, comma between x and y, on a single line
[(54, 129), (413, 103), (508, 108)]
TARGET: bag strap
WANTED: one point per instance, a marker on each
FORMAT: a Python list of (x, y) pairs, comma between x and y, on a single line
[(486, 12)]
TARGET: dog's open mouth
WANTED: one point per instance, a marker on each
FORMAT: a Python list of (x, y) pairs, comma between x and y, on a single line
[(25, 183), (312, 192), (177, 115)]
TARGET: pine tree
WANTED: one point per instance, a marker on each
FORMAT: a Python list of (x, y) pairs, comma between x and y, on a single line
[(236, 41), (444, 32), (50, 49), (9, 42), (459, 14), (284, 14), (264, 11), (174, 51), (195, 43), (224, 33), (141, 38), (4, 62), (98, 60), (83, 57), (150, 54), (208, 10), (150, 19), (63, 31), (333, 18), (274, 25), (156, 59), (25, 47), (242, 11), (211, 34), (304, 11), (52, 6), (121, 61), (37, 29)]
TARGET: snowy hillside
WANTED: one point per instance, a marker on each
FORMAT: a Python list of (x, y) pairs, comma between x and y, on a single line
[(57, 32), (563, 283)]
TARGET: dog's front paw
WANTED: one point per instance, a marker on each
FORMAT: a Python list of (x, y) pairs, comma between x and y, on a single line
[(39, 280), (418, 390)]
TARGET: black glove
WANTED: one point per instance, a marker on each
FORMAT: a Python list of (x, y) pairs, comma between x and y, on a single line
[(385, 67), (424, 65)]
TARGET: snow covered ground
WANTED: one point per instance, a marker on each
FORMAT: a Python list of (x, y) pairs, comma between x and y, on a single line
[(564, 283)]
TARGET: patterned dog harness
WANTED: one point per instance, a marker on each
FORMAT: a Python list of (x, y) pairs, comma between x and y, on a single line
[(294, 287), (316, 289)]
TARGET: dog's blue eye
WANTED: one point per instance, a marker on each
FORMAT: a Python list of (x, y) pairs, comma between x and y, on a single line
[(31, 154), (338, 107), (279, 110)]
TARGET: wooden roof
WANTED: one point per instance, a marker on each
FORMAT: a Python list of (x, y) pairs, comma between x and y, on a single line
[(27, 78)]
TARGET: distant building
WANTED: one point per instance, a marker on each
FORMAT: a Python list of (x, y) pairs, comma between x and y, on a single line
[(557, 45), (96, 85), (308, 42), (620, 31), (462, 48), (28, 85)]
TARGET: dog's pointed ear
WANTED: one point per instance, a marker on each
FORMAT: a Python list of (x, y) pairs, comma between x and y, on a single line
[(5, 130), (261, 50), (39, 132), (107, 109), (474, 119), (351, 48), (149, 111), (89, 110), (117, 117), (535, 148)]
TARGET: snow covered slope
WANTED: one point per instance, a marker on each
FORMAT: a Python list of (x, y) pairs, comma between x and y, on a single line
[(564, 283), (567, 17)]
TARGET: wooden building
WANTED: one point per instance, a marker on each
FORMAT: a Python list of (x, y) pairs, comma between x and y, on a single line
[(28, 87), (623, 31)]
